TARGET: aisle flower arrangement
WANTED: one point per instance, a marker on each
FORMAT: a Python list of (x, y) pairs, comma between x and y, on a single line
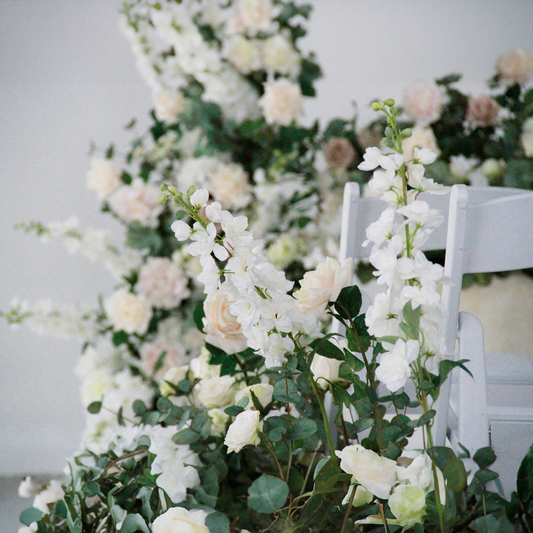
[(242, 439), (262, 164)]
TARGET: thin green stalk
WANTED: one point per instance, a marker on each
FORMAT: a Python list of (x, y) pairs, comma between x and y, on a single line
[(324, 416)]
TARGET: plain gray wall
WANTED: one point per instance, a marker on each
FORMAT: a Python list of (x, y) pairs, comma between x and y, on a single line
[(67, 77)]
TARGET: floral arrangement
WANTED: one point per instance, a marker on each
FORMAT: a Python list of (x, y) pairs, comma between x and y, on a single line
[(480, 140), (242, 438), (261, 164)]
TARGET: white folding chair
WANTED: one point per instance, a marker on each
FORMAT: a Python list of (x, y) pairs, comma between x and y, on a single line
[(486, 236), (472, 244)]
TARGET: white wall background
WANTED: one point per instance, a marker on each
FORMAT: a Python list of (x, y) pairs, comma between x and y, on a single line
[(67, 77)]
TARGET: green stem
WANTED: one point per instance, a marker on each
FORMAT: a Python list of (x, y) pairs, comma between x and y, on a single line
[(348, 510), (324, 416)]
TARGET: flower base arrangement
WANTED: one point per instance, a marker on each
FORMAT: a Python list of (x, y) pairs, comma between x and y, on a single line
[(241, 438)]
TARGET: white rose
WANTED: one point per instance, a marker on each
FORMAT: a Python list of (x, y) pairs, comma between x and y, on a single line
[(284, 250), (325, 370), (515, 67), (162, 283), (221, 326), (179, 520), (244, 430), (495, 168), (216, 392), (323, 285), (408, 504), (362, 496), (282, 102), (527, 137), (243, 53), (280, 56), (27, 488), (254, 16), (103, 178), (230, 185), (262, 391), (376, 474), (421, 138), (219, 419), (461, 166), (168, 106), (51, 494), (174, 376), (128, 312), (137, 202)]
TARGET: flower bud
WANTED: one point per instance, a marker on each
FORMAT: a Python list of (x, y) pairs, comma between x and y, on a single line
[(377, 106), (389, 102)]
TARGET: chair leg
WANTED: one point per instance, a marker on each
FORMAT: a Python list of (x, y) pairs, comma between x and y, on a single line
[(473, 431)]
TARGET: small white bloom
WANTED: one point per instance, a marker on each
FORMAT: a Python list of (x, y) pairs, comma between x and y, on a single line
[(394, 368), (27, 488), (325, 370), (243, 431), (51, 494), (371, 159), (282, 102), (279, 55), (230, 186), (424, 156), (199, 198), (408, 504), (181, 229)]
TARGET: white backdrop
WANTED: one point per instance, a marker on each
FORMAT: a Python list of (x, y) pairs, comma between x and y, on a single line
[(67, 77)]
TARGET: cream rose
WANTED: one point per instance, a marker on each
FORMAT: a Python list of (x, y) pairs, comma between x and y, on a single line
[(262, 391), (482, 111), (103, 178), (244, 430), (128, 312), (162, 283), (254, 16), (280, 56), (282, 102), (242, 53), (323, 285), (516, 66), (137, 203), (325, 370), (230, 186), (168, 106), (423, 102), (221, 326), (179, 520), (420, 138), (216, 392), (376, 474), (339, 153)]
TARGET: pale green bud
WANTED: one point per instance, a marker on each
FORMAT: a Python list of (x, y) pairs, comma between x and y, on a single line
[(377, 106), (163, 187), (389, 101), (388, 143), (389, 132), (406, 133), (162, 200), (173, 189)]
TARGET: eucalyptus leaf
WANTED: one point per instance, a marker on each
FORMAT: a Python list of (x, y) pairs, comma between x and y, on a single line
[(267, 494)]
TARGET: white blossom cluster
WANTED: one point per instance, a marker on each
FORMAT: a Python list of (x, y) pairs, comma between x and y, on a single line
[(217, 46), (396, 238), (47, 318), (253, 292), (91, 243)]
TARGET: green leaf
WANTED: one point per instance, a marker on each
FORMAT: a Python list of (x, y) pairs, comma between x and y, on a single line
[(285, 391), (424, 419), (267, 494), (484, 457), (453, 469), (186, 436), (233, 410), (198, 315), (134, 522), (30, 515), (303, 428), (447, 80), (217, 522), (327, 349), (94, 407), (484, 475), (139, 407), (411, 324), (120, 337), (524, 482), (348, 303), (145, 494)]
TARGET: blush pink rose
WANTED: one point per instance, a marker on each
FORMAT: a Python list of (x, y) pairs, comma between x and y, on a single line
[(482, 111), (162, 283), (423, 102), (170, 356)]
